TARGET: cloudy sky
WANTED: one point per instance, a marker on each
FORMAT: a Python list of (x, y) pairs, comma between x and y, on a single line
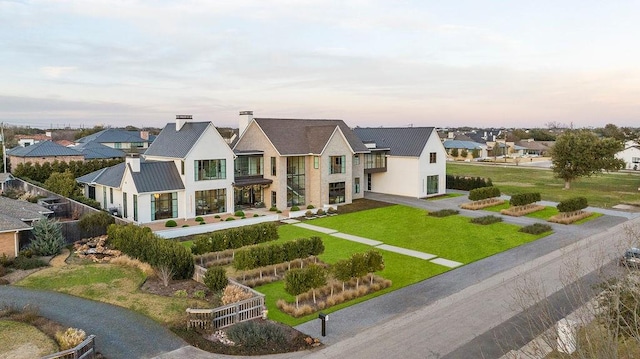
[(368, 62)]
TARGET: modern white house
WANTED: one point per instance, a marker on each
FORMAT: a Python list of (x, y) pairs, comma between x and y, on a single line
[(415, 161), (630, 155)]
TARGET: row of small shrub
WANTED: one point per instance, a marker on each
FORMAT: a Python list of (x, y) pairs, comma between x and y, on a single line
[(523, 199), (467, 183), (485, 220), (536, 228), (141, 243), (444, 213), (234, 238), (484, 193), (261, 256), (573, 204)]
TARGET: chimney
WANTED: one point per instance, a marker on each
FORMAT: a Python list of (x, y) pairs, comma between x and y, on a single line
[(245, 119), (134, 163), (144, 135), (181, 120), (451, 135)]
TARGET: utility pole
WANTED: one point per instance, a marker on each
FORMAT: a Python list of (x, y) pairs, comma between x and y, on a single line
[(4, 149)]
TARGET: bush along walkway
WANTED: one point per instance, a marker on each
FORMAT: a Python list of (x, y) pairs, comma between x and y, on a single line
[(380, 245), (120, 333)]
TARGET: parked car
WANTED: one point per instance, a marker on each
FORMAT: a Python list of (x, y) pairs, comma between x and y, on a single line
[(631, 258)]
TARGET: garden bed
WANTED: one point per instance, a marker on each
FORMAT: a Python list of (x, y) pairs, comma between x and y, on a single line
[(475, 205), (568, 219), (518, 211)]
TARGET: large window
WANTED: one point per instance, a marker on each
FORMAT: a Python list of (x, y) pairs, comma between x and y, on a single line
[(336, 192), (356, 185), (295, 181), (338, 164), (432, 157), (210, 169), (375, 160), (249, 166), (164, 205), (356, 160), (432, 184), (635, 159), (211, 201)]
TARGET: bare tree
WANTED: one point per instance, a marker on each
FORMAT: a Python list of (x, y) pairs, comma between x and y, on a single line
[(165, 274)]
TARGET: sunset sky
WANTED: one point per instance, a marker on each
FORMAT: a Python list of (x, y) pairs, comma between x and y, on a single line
[(370, 63)]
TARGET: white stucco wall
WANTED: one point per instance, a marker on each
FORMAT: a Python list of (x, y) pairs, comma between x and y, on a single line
[(627, 156)]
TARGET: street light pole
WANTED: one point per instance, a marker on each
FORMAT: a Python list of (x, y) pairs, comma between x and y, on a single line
[(4, 149)]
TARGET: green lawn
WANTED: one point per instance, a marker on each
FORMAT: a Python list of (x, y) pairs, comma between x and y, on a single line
[(543, 214), (602, 191)]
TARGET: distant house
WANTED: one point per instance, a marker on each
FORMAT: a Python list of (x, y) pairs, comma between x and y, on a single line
[(28, 140), (41, 152), (129, 141), (532, 147), (415, 161), (187, 171), (98, 151), (631, 156), (16, 218), (470, 147)]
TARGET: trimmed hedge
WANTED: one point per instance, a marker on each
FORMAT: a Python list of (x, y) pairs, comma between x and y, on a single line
[(444, 213), (141, 243), (467, 183), (261, 256), (484, 193), (234, 238), (522, 199), (536, 228), (485, 220), (573, 204)]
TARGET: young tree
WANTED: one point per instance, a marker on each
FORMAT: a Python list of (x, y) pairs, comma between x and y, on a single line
[(63, 184), (296, 283), (464, 153), (454, 152), (375, 263), (48, 239), (216, 279), (95, 223), (475, 153), (317, 277), (342, 271), (579, 153)]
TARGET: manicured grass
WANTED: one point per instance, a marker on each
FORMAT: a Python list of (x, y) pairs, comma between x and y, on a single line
[(20, 340), (543, 214), (451, 237), (602, 191), (445, 196), (113, 284), (497, 208)]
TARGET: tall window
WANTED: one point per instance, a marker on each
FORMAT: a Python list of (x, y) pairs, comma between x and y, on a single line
[(336, 192), (432, 184), (211, 201), (182, 167), (316, 162), (135, 207), (210, 169), (164, 205), (356, 160), (104, 197), (338, 164), (111, 195), (295, 181), (124, 205), (356, 185), (432, 157), (273, 166)]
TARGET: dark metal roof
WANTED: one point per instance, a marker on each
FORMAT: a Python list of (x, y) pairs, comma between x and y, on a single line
[(43, 149), (110, 176), (95, 150), (22, 210), (249, 181), (157, 177), (176, 144), (113, 135), (301, 137), (402, 141)]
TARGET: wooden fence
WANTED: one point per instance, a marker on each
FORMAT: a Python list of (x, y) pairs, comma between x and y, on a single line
[(84, 350), (229, 314)]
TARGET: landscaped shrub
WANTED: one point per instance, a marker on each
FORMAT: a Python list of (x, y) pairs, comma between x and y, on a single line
[(233, 293), (95, 223), (234, 238), (308, 214), (573, 204), (141, 243), (216, 216), (239, 214), (256, 215), (467, 183), (523, 199), (443, 213), (484, 193), (199, 219), (70, 338), (48, 239), (170, 223), (486, 220), (261, 256), (536, 228), (230, 219), (310, 206), (216, 279), (332, 210), (22, 262), (273, 208), (295, 208), (320, 212), (255, 335)]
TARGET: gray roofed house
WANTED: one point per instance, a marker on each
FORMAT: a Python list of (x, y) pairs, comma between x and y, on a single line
[(22, 210), (401, 141), (16, 217), (95, 150), (110, 176), (302, 137), (177, 144), (43, 149), (157, 177), (120, 139)]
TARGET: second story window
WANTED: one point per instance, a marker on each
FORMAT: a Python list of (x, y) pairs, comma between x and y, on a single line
[(432, 157), (273, 166), (210, 169), (338, 164)]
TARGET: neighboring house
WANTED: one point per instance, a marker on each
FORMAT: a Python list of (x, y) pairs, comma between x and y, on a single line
[(187, 171), (4, 179), (631, 157), (98, 151), (302, 162), (415, 161), (16, 218), (533, 148), (468, 146), (28, 140), (129, 141), (41, 152)]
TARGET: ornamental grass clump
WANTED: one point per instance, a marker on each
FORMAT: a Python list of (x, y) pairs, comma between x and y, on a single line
[(70, 338), (257, 335)]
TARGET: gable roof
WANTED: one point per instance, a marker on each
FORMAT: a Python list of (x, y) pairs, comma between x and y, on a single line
[(113, 135), (154, 176), (43, 149), (96, 150), (401, 141), (301, 137), (22, 210), (11, 224), (176, 144)]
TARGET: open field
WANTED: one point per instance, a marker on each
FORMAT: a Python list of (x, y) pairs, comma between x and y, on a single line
[(602, 191)]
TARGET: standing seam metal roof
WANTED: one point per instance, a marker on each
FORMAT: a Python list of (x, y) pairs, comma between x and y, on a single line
[(401, 141), (113, 135), (43, 149), (176, 144)]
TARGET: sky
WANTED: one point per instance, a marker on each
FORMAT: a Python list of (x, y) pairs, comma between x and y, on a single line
[(82, 63)]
